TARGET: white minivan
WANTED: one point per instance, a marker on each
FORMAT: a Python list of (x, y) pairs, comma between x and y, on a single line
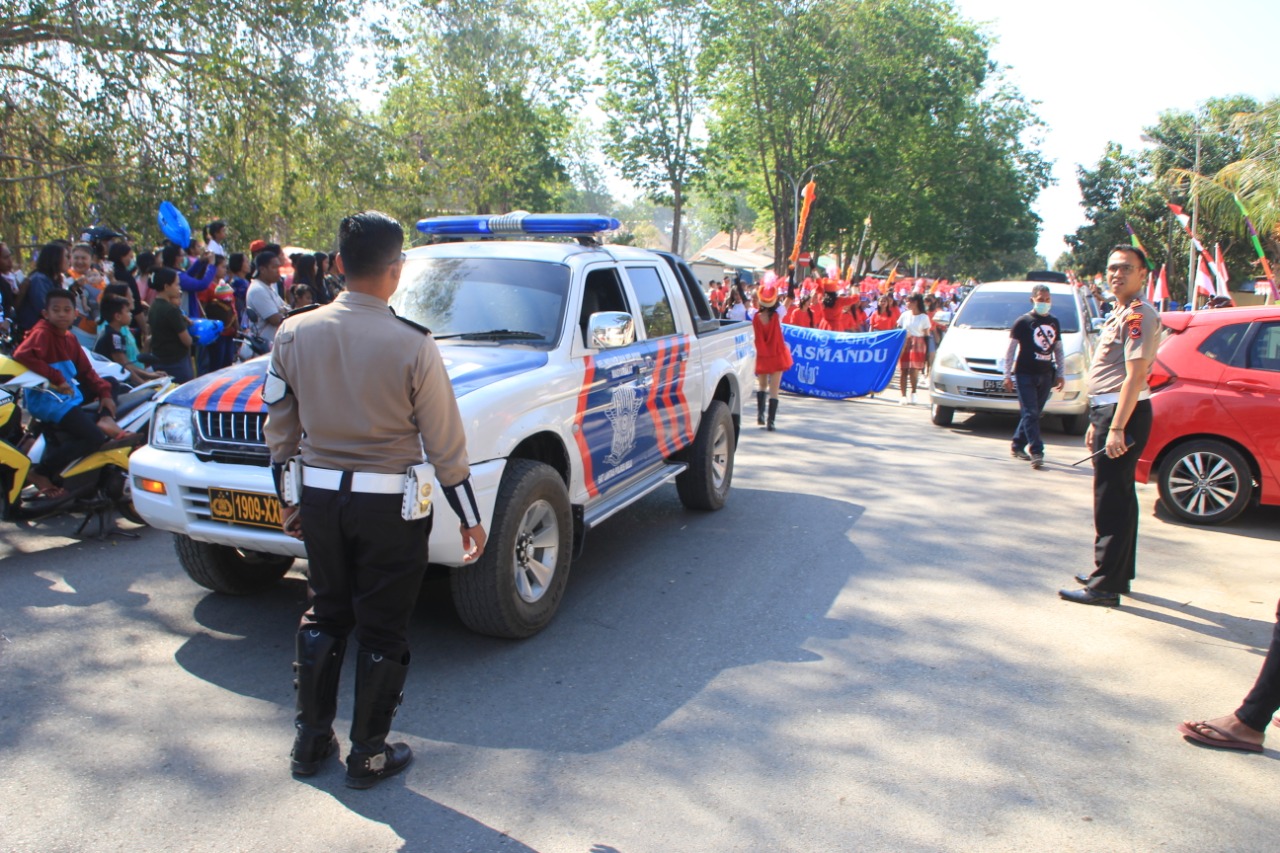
[(968, 370)]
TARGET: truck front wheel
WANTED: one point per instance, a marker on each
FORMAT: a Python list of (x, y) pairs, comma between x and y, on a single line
[(516, 586), (228, 570), (705, 483)]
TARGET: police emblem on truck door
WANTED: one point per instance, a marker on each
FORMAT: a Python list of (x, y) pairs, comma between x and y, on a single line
[(622, 414)]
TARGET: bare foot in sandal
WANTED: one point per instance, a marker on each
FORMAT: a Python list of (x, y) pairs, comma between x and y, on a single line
[(1227, 732)]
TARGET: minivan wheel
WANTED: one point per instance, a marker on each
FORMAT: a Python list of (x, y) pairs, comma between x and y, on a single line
[(1205, 482), (941, 415)]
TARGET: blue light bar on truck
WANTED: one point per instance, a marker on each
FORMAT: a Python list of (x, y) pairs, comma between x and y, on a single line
[(519, 224)]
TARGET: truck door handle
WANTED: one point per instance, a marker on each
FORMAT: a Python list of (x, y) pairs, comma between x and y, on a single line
[(1246, 385)]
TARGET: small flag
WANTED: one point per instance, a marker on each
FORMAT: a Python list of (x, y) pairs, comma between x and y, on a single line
[(1151, 286), (1220, 271), (1137, 244), (1162, 285), (1204, 282)]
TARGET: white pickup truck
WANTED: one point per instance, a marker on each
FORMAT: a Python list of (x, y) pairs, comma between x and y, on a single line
[(587, 377)]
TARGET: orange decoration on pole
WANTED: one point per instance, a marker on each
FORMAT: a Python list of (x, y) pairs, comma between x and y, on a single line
[(810, 193)]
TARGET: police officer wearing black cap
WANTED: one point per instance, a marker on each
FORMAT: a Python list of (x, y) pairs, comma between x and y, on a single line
[(359, 394), (1119, 426)]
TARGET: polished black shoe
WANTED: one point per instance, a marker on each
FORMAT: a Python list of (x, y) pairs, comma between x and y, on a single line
[(309, 753), (1019, 453), (1083, 579), (365, 771), (1090, 596)]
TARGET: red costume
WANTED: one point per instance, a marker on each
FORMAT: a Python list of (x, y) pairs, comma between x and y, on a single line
[(772, 355), (883, 322), (801, 317)]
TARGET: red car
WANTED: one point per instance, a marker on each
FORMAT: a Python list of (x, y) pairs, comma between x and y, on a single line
[(1215, 442)]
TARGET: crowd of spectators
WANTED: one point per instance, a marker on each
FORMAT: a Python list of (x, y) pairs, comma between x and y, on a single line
[(135, 304)]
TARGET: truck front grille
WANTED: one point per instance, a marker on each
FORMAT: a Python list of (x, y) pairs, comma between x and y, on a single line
[(232, 427)]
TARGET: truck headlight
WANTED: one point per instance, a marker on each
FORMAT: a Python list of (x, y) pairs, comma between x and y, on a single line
[(1074, 364), (171, 428)]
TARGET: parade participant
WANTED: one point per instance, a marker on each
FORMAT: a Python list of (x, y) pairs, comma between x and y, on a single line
[(857, 315), (738, 310), (914, 348), (772, 356), (1033, 364), (366, 560), (1245, 729), (834, 316), (1119, 425), (801, 315), (884, 320), (931, 306)]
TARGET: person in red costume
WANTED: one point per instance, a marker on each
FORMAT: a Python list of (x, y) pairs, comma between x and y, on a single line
[(835, 314), (772, 356), (857, 316), (884, 320), (802, 314)]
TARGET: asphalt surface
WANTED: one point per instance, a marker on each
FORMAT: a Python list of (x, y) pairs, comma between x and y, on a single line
[(863, 651)]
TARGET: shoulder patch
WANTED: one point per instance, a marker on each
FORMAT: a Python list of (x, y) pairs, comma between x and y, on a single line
[(294, 312), (408, 322)]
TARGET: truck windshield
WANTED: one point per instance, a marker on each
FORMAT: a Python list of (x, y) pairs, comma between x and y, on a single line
[(993, 309), (485, 299)]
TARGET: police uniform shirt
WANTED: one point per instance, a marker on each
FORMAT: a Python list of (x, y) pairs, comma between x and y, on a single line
[(361, 390), (1130, 333)]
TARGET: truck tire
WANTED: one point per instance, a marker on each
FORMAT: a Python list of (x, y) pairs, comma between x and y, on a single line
[(228, 570), (1205, 482), (705, 483), (1075, 424), (516, 586), (941, 415)]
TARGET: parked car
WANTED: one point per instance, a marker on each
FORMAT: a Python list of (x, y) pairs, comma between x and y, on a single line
[(1215, 443), (968, 369)]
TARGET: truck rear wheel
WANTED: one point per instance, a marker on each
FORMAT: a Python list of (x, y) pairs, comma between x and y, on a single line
[(516, 586), (705, 483), (228, 570)]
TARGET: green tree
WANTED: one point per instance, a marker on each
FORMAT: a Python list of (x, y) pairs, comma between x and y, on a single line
[(655, 91)]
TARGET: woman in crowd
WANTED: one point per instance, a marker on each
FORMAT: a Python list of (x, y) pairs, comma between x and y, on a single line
[(123, 265), (170, 336), (304, 273), (51, 266), (238, 272), (192, 284), (801, 315), (884, 319), (86, 284), (142, 275), (772, 356), (914, 349)]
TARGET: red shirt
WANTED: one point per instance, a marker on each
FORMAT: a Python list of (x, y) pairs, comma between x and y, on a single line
[(800, 317), (883, 323), (45, 344)]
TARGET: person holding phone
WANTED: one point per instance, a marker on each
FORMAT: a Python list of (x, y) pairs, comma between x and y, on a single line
[(1119, 426)]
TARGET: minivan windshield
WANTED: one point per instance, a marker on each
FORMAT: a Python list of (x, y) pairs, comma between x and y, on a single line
[(995, 309), (495, 300)]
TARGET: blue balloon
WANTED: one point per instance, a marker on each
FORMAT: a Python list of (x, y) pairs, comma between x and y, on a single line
[(206, 331), (173, 224)]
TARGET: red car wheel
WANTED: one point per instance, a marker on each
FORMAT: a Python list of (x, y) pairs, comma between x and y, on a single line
[(1205, 482)]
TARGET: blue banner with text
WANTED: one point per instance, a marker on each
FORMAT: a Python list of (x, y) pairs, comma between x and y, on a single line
[(837, 365)]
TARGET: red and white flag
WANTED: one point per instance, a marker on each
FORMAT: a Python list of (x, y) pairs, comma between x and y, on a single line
[(1151, 286), (1204, 281), (1162, 287), (1220, 271)]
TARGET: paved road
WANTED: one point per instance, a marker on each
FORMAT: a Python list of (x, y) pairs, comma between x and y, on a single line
[(864, 651)]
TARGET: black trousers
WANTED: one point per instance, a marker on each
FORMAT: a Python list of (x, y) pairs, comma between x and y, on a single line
[(1264, 699), (79, 436), (1115, 501), (366, 568)]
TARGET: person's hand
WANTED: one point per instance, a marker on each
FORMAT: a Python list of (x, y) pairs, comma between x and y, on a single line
[(1008, 383), (1059, 383), (64, 389), (291, 521), (1088, 437), (473, 539), (108, 405), (1116, 446)]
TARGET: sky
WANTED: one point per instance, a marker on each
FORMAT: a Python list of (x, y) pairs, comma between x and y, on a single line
[(1104, 71)]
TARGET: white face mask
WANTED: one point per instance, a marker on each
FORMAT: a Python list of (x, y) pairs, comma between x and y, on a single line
[(1041, 308)]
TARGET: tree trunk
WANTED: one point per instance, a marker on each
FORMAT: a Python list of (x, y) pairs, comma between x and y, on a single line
[(677, 210)]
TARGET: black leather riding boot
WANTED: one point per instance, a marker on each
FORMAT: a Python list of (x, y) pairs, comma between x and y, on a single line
[(761, 396), (316, 680), (379, 692), (773, 412)]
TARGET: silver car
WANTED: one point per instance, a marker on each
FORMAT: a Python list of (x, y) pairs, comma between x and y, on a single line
[(968, 370)]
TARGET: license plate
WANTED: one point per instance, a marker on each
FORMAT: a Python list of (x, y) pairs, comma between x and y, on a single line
[(252, 508), (993, 385)]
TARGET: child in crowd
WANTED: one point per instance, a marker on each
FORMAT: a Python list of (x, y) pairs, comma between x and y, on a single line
[(300, 296), (223, 307), (170, 338), (116, 313)]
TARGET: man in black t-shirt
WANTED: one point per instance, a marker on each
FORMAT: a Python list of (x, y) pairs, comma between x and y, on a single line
[(1033, 365)]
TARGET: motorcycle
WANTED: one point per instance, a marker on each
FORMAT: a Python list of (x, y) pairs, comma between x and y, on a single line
[(98, 484)]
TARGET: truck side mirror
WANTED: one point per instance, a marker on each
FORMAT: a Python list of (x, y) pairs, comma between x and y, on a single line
[(610, 329)]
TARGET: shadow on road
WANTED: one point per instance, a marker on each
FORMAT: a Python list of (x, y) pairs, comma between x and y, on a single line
[(1253, 633)]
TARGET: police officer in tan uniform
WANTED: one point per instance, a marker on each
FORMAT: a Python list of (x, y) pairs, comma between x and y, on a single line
[(1119, 426), (360, 394)]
